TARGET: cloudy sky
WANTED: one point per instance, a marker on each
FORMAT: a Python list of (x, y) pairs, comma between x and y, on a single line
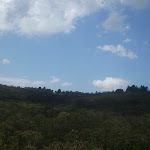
[(83, 45)]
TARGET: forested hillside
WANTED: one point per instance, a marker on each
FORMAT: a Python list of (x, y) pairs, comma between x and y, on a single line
[(43, 119)]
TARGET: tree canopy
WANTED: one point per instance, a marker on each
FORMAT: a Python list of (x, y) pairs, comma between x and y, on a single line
[(41, 119)]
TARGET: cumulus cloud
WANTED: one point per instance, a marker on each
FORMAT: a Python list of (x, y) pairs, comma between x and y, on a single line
[(34, 17), (127, 40), (66, 84), (137, 4), (115, 22), (110, 84), (54, 79), (5, 61), (20, 82), (119, 50)]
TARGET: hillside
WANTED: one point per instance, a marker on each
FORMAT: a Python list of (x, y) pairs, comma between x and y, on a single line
[(41, 119)]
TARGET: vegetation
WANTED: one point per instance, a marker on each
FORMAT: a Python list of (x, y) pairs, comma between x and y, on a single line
[(41, 119)]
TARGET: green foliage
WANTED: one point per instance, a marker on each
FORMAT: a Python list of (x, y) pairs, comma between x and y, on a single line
[(38, 119)]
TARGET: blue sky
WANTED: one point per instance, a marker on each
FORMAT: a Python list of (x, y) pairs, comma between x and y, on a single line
[(78, 45)]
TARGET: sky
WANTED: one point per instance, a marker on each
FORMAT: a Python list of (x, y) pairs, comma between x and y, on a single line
[(75, 45)]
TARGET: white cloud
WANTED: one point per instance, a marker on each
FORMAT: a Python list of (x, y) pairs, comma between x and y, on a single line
[(110, 84), (137, 4), (115, 22), (127, 40), (54, 79), (119, 50), (5, 61), (66, 84), (35, 17), (20, 82)]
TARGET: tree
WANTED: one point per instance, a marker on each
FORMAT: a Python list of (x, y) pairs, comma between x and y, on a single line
[(119, 91)]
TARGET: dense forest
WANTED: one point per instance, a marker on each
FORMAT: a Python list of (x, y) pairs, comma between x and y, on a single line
[(43, 119)]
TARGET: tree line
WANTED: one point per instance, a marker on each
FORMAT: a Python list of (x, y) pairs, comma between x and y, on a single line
[(42, 119)]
